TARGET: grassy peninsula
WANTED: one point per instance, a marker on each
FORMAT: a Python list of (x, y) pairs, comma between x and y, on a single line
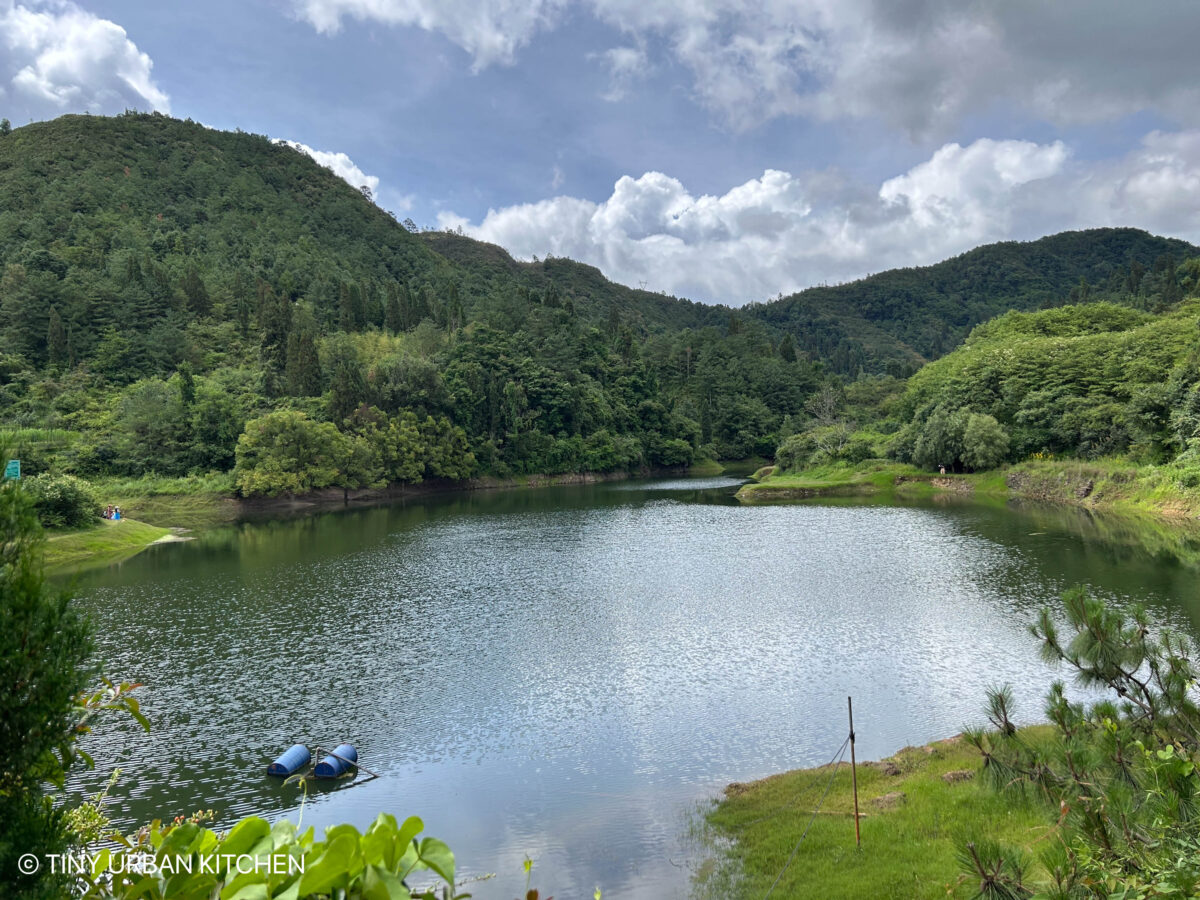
[(917, 808)]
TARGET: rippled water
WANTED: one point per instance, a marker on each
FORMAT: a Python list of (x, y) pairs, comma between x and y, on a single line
[(564, 673)]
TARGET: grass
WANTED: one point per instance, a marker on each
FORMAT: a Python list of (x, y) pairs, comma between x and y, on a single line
[(106, 542), (191, 502), (707, 467), (909, 843), (867, 477)]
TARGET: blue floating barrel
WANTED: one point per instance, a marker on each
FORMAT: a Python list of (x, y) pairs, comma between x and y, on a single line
[(339, 762), (290, 761)]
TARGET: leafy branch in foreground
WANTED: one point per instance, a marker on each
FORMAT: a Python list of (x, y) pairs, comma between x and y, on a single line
[(1121, 772), (258, 861)]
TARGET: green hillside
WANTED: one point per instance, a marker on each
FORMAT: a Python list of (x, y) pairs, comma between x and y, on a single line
[(163, 284), (896, 320), (179, 301)]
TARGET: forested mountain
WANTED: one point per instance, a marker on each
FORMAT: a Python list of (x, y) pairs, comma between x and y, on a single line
[(167, 289), (163, 284), (896, 320)]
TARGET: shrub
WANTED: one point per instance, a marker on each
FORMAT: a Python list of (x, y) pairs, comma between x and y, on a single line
[(63, 501)]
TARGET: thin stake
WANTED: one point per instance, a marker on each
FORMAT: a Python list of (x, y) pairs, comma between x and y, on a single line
[(348, 762), (854, 773)]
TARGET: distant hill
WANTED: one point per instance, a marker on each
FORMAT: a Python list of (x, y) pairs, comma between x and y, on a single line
[(903, 317)]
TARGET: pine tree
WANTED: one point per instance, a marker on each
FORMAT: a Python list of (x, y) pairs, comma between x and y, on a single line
[(787, 349), (358, 308), (392, 317), (276, 323), (303, 373), (187, 385), (56, 340), (241, 303), (345, 309), (196, 293)]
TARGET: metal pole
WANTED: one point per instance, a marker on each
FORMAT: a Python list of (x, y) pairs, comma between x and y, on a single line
[(854, 773)]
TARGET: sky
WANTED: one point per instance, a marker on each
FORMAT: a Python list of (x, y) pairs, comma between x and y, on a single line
[(722, 150)]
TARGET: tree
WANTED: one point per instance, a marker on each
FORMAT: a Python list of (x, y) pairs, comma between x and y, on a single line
[(44, 647), (984, 443), (393, 320), (187, 385), (195, 292), (5, 127), (275, 318), (56, 340), (1119, 774), (303, 367), (940, 441), (285, 452), (787, 348)]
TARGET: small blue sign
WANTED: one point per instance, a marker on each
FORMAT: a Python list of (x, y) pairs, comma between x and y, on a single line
[(13, 469)]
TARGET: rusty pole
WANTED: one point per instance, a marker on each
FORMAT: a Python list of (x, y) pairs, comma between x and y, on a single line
[(854, 773)]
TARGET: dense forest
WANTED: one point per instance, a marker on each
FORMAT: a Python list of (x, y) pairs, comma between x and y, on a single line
[(1080, 381), (164, 285), (177, 300)]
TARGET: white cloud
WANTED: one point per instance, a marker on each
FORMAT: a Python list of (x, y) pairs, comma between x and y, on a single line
[(58, 58), (625, 65), (783, 232), (490, 30), (343, 166), (921, 65)]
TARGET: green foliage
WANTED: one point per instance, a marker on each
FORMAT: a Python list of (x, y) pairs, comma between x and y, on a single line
[(1083, 381), (285, 452), (896, 320), (984, 442), (1121, 772), (163, 247), (285, 863), (43, 647), (63, 501)]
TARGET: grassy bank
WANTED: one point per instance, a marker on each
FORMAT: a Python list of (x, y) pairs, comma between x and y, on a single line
[(1170, 490), (869, 477), (106, 542), (918, 808)]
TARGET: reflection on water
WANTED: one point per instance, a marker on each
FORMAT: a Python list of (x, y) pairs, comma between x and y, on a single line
[(562, 673)]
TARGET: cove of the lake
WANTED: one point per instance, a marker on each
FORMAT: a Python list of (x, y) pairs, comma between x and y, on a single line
[(569, 673)]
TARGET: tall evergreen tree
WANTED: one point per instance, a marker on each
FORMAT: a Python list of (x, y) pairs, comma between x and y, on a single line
[(196, 293), (56, 340), (393, 317), (787, 348), (187, 385), (276, 323), (303, 362)]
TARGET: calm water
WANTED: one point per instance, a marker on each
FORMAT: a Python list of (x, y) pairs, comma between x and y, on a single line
[(565, 673)]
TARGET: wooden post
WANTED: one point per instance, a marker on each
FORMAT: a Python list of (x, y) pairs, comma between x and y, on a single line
[(854, 773)]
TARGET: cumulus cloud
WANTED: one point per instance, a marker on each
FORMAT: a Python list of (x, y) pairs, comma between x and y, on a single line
[(58, 58), (783, 232), (918, 64), (343, 166)]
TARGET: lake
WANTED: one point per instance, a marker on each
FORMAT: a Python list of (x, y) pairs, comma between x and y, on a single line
[(569, 673)]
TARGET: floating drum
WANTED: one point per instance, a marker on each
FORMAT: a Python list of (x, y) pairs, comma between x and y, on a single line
[(337, 763), (290, 761)]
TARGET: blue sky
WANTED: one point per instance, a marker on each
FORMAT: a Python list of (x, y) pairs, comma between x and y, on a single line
[(725, 150)]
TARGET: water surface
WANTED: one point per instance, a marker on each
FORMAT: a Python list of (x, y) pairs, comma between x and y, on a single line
[(564, 673)]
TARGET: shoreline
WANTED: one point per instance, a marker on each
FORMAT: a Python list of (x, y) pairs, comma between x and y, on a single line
[(77, 550), (1102, 486)]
